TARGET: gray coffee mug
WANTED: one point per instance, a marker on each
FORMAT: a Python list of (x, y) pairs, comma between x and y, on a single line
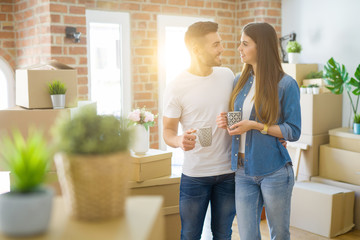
[(233, 117), (204, 135)]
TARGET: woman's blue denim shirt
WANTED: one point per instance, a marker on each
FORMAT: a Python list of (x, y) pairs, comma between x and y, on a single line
[(264, 154)]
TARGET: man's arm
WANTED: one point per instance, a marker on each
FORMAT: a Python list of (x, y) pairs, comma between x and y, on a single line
[(170, 130)]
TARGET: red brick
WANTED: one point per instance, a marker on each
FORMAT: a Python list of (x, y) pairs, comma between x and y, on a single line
[(77, 50), (77, 10), (6, 35), (56, 50), (141, 16), (138, 87), (150, 8), (177, 2), (143, 96), (224, 13), (244, 14), (82, 80), (57, 29), (258, 4), (273, 13), (7, 8), (275, 4), (75, 20), (129, 6), (190, 11), (82, 70), (221, 5), (55, 18), (8, 44), (147, 104), (83, 90), (207, 12), (168, 9), (2, 17), (157, 1), (58, 8), (258, 12), (195, 3), (83, 60), (66, 60)]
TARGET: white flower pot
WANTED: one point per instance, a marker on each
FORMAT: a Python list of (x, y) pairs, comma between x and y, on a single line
[(309, 90), (293, 57), (303, 90), (316, 90), (141, 139), (25, 214), (58, 101)]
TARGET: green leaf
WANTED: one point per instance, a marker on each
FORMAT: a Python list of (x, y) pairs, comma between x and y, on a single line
[(336, 77), (355, 82)]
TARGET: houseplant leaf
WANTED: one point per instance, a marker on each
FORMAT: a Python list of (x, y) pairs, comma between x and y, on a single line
[(336, 77), (355, 82)]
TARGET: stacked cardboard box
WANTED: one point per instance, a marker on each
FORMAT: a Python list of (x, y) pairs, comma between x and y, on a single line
[(299, 71), (152, 176), (322, 209)]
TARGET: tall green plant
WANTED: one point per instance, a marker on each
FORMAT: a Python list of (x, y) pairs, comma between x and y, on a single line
[(337, 79), (28, 160), (56, 87)]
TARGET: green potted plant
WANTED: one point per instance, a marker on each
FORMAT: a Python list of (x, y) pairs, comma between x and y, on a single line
[(303, 89), (293, 48), (315, 88), (309, 89), (357, 124), (26, 209), (57, 92), (93, 164), (337, 79)]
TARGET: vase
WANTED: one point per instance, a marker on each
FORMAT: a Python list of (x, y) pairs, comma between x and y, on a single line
[(357, 128), (293, 57), (141, 140), (58, 101)]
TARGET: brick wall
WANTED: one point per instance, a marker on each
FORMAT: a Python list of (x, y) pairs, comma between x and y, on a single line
[(40, 35)]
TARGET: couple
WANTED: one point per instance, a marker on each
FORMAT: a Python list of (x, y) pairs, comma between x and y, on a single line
[(246, 167)]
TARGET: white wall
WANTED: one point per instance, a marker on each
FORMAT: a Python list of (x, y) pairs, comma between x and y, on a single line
[(326, 28)]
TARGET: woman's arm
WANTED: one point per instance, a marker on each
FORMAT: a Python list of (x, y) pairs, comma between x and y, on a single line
[(247, 125)]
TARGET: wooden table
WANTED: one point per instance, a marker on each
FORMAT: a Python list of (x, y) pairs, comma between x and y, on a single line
[(143, 220)]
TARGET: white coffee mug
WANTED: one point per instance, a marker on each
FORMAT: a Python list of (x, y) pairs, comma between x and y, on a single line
[(233, 117)]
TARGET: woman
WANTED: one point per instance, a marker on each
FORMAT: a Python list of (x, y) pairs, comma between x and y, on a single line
[(269, 102)]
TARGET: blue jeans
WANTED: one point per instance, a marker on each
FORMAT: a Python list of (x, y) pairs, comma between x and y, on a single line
[(195, 195), (272, 191)]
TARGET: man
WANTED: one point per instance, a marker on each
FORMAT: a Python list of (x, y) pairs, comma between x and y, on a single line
[(194, 99)]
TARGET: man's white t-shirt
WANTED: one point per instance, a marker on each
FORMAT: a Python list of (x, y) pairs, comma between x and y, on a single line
[(197, 101)]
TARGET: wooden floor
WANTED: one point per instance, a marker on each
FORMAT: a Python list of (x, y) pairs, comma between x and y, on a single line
[(297, 234)]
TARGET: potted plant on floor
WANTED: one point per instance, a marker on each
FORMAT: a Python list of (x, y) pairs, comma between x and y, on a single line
[(337, 79), (26, 209), (57, 92), (93, 164), (293, 48)]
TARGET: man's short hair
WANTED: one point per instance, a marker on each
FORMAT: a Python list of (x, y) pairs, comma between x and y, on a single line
[(198, 30)]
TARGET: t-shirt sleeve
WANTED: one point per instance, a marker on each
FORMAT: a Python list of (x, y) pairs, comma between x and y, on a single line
[(172, 106)]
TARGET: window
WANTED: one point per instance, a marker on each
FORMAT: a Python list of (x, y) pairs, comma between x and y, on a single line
[(7, 85), (173, 59), (109, 61)]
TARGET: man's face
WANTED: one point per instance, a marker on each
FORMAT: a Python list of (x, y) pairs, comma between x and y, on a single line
[(209, 51)]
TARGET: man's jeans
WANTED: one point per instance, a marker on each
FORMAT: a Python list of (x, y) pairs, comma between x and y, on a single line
[(272, 191), (195, 195)]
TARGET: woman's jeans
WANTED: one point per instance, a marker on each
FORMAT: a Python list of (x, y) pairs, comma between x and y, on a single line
[(195, 195), (272, 191)]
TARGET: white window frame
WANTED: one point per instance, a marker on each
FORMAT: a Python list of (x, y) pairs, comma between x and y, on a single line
[(164, 21), (10, 81), (116, 18)]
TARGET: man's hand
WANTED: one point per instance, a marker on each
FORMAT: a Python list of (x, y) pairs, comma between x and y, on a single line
[(221, 120), (187, 141)]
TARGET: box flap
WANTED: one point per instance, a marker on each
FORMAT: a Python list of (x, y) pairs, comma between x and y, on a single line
[(344, 132), (151, 155), (321, 188), (50, 65)]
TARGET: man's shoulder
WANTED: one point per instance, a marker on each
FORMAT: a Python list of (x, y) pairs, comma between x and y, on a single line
[(224, 70)]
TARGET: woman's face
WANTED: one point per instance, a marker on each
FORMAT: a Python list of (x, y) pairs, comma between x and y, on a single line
[(247, 50)]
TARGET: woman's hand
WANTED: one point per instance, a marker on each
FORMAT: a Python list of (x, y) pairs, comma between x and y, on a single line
[(241, 127), (221, 120)]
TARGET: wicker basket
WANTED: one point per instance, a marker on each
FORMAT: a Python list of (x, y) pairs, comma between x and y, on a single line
[(94, 186)]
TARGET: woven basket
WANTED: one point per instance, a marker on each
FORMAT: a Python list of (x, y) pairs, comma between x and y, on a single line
[(94, 186)]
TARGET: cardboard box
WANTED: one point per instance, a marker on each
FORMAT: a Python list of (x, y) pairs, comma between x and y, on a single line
[(154, 164), (32, 85), (320, 113), (345, 139), (322, 209), (339, 165), (309, 160), (167, 187), (172, 222), (318, 81), (348, 186), (299, 71)]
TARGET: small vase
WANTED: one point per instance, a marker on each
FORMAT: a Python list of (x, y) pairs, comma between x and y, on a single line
[(141, 139), (58, 101), (293, 57), (316, 90), (356, 128)]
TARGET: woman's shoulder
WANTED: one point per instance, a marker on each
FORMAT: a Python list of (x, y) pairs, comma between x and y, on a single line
[(287, 81)]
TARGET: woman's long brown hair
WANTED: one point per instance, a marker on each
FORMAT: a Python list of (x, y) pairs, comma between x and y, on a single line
[(268, 73)]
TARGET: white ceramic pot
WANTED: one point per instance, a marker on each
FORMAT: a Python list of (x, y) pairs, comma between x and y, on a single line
[(309, 90), (316, 90), (25, 214), (303, 90), (141, 139), (58, 101), (293, 57)]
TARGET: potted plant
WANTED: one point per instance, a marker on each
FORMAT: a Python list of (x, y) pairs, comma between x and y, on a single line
[(141, 120), (26, 209), (303, 89), (57, 92), (314, 75), (309, 89), (315, 89), (337, 79), (93, 164), (293, 49), (357, 124)]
